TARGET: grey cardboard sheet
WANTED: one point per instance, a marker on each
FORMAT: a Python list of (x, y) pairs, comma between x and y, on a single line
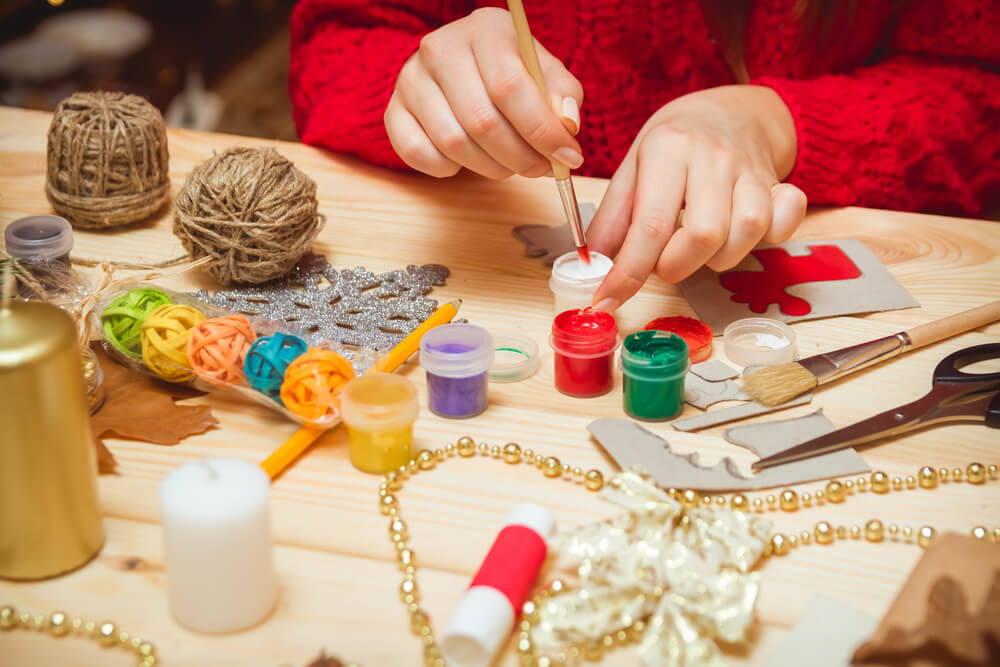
[(725, 415), (629, 444), (873, 291), (550, 243), (825, 635)]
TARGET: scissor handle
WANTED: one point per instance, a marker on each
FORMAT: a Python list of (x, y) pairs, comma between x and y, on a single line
[(947, 371), (993, 412)]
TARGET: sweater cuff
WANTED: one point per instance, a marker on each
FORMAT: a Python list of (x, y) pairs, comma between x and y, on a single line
[(820, 141)]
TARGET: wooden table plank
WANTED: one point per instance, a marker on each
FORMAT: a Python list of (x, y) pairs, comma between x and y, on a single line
[(335, 562)]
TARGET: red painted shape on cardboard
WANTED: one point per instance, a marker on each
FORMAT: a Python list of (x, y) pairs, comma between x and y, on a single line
[(759, 289)]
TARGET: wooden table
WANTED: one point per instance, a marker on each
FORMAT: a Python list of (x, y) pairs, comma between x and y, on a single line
[(336, 564)]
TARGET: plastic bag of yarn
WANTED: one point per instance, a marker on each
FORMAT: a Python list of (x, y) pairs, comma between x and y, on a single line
[(177, 338)]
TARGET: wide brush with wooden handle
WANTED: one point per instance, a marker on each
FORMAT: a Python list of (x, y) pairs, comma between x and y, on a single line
[(779, 384)]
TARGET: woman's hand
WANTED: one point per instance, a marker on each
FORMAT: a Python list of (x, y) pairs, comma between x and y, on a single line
[(465, 99), (719, 154)]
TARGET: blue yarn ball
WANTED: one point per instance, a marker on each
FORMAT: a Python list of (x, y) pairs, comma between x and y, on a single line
[(267, 359)]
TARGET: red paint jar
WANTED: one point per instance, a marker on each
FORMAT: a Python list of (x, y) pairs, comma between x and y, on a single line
[(584, 341)]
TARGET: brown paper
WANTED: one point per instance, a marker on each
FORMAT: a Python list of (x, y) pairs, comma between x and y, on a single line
[(139, 407), (324, 660), (947, 613)]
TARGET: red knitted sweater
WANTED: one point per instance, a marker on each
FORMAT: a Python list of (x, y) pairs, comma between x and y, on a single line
[(917, 129)]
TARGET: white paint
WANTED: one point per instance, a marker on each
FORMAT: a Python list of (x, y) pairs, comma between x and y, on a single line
[(763, 341), (218, 549), (569, 267)]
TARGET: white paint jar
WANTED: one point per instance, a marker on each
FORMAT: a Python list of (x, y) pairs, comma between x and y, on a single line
[(574, 283)]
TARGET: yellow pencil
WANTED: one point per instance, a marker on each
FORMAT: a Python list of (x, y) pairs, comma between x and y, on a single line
[(300, 441)]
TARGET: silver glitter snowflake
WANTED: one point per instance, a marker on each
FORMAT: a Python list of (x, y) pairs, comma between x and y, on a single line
[(352, 307)]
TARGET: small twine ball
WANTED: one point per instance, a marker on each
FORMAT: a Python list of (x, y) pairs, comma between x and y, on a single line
[(268, 358), (165, 334), (122, 319), (313, 381), (218, 346), (251, 211), (107, 160)]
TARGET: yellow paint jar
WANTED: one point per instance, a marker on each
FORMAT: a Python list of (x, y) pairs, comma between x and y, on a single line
[(379, 411)]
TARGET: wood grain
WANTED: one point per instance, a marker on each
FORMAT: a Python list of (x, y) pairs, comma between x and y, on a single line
[(335, 561)]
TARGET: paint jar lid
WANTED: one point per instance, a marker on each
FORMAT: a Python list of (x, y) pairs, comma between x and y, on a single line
[(695, 333), (38, 237), (759, 341), (515, 358), (456, 350)]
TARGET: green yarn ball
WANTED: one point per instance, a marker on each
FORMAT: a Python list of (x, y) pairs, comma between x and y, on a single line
[(122, 319)]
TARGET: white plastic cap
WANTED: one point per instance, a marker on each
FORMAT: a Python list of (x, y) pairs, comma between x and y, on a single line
[(480, 624), (532, 516)]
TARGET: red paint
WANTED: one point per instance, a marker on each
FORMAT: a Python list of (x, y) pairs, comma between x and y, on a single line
[(583, 252), (584, 341), (781, 270), (695, 333), (512, 564)]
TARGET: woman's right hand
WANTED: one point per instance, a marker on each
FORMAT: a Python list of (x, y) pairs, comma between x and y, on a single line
[(465, 99)]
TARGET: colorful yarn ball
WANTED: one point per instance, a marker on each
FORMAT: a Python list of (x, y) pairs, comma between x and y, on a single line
[(165, 334), (268, 358), (122, 319), (218, 346), (313, 381)]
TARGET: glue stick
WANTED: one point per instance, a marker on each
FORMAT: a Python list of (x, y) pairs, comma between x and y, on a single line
[(485, 616)]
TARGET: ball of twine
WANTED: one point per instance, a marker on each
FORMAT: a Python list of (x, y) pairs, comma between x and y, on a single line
[(313, 381), (122, 319), (218, 346), (268, 358), (165, 335), (251, 210), (107, 160)]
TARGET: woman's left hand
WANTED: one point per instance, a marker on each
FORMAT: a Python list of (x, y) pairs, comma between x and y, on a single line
[(720, 154)]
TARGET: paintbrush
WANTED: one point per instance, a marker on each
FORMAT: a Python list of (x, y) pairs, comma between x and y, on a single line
[(564, 182), (778, 384)]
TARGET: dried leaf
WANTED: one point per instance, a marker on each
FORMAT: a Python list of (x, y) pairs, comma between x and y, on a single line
[(139, 407)]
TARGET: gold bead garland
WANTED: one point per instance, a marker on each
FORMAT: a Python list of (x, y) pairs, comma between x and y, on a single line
[(60, 624), (823, 533)]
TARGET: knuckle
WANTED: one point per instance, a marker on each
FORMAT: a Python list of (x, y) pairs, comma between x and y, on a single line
[(505, 80), (755, 220), (538, 133), (482, 121), (707, 235), (535, 169), (654, 223), (665, 135), (451, 141), (720, 264)]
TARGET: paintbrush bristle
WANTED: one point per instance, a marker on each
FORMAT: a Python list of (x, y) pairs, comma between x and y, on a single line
[(778, 384)]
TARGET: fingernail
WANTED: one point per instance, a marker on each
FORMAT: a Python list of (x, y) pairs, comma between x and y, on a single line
[(607, 304), (568, 157), (571, 114)]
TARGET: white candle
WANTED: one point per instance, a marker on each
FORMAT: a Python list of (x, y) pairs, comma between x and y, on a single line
[(217, 534)]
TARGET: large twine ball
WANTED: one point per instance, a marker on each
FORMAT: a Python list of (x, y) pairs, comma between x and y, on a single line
[(252, 211), (107, 160)]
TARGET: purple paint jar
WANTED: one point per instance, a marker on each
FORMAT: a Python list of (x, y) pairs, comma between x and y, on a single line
[(457, 358)]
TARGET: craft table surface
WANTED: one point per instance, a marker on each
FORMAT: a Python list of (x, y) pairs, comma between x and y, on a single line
[(336, 564)]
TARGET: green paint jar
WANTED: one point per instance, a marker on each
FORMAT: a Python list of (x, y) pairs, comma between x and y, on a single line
[(653, 367)]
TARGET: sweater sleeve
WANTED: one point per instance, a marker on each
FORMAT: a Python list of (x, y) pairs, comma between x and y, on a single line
[(345, 56), (917, 131)]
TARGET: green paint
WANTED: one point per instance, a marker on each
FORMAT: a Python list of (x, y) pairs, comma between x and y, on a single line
[(653, 366)]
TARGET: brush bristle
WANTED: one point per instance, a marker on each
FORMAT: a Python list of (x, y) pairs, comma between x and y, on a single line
[(778, 384)]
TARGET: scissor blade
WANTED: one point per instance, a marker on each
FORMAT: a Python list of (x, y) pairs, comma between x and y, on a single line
[(881, 425)]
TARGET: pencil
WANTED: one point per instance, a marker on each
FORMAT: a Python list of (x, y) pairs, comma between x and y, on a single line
[(300, 441)]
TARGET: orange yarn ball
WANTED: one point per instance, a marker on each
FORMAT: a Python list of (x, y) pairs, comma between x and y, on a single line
[(218, 346), (313, 381)]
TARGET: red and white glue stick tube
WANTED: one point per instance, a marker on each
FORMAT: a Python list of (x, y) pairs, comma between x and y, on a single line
[(486, 614)]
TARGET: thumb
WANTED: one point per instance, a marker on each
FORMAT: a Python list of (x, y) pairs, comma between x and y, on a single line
[(565, 90)]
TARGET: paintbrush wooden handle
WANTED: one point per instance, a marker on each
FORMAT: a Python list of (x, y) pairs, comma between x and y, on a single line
[(526, 44), (967, 320)]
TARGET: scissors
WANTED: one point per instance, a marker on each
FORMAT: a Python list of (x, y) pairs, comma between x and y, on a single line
[(954, 396)]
